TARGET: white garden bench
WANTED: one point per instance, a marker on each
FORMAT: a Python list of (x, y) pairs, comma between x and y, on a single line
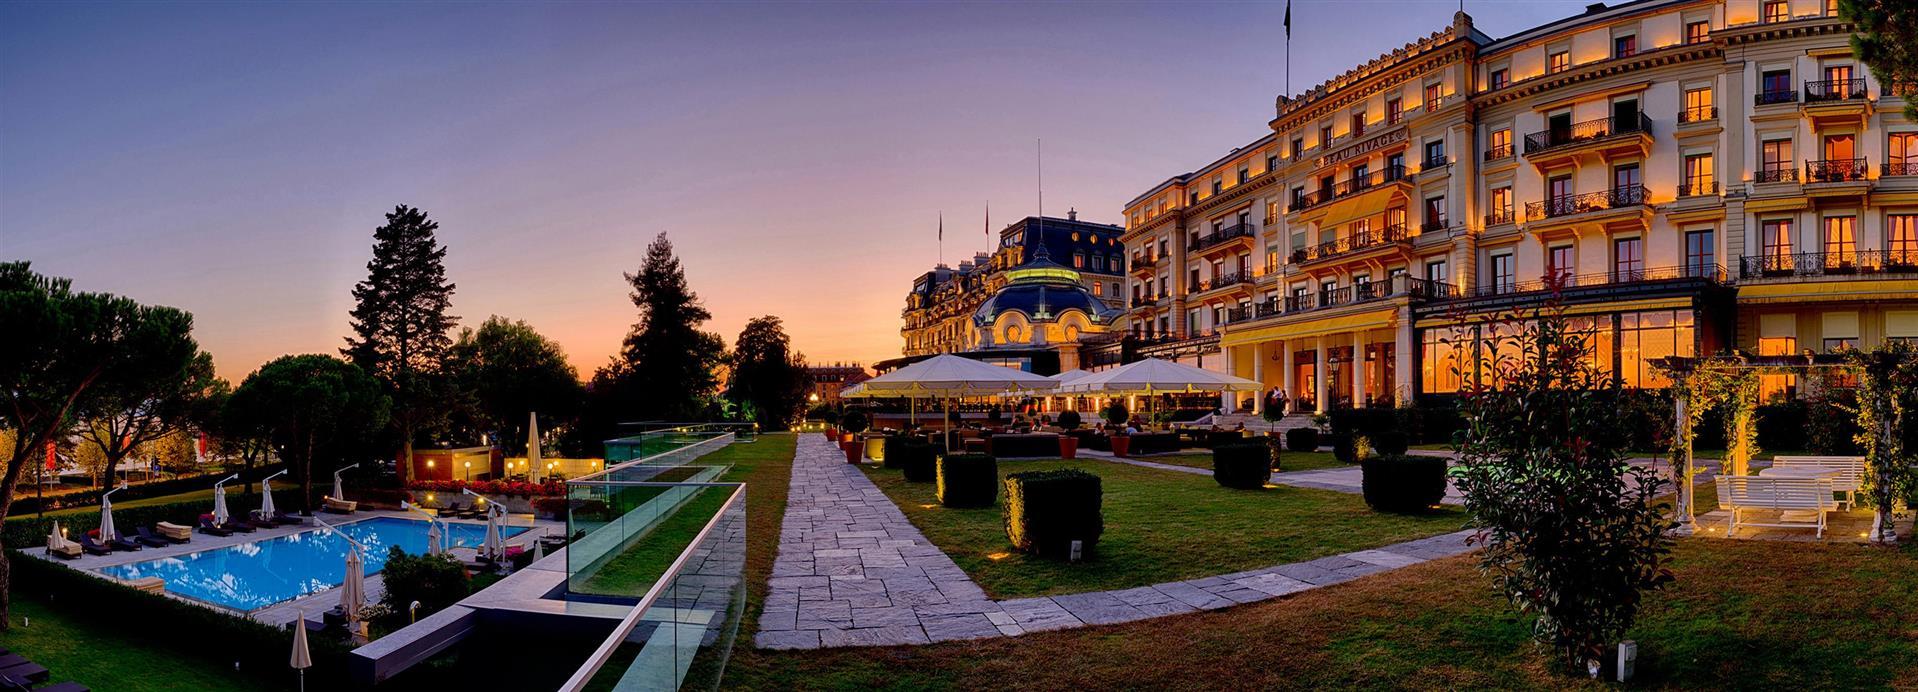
[(1791, 497), (1849, 479)]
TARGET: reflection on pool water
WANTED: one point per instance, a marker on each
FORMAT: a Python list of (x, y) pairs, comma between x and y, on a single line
[(254, 575)]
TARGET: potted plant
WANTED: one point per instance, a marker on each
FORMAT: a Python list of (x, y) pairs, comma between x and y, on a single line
[(832, 424), (1121, 442), (853, 450), (850, 425), (1068, 443)]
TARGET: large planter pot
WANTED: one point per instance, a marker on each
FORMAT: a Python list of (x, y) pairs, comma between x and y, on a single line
[(852, 450), (847, 437), (1121, 444), (832, 434), (876, 448), (1068, 447)]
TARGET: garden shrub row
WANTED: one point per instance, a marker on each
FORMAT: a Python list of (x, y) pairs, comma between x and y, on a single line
[(189, 630), (29, 532), (968, 480), (1047, 510), (26, 503), (1022, 445), (1246, 466), (1402, 483), (1302, 439)]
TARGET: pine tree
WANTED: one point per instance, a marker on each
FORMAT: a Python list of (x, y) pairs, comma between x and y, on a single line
[(768, 379), (400, 322), (665, 369)]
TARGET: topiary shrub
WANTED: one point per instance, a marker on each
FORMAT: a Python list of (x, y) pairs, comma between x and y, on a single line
[(1345, 448), (1389, 442), (968, 480), (1402, 483), (854, 422), (1047, 510), (1115, 412), (916, 460), (893, 445), (1069, 420), (1244, 465), (436, 581), (1302, 439), (994, 416)]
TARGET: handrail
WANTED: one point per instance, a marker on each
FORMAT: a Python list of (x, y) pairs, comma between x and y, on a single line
[(1349, 187), (1502, 151), (1776, 174), (1775, 96), (1566, 205), (1835, 90), (1710, 272), (1588, 131), (1698, 188), (1223, 235), (1835, 170), (1351, 243), (1698, 114), (1804, 264)]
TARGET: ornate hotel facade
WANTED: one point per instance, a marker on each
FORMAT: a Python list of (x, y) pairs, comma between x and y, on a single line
[(1681, 176)]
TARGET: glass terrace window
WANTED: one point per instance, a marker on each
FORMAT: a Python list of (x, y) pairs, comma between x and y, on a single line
[(1776, 235), (1700, 253), (1628, 259), (1394, 111), (1841, 241), (1902, 232), (1901, 153), (1431, 97), (1698, 106), (1500, 78)]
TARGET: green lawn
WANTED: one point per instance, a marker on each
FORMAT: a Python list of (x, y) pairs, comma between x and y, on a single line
[(1288, 460), (97, 655), (207, 495), (1160, 526)]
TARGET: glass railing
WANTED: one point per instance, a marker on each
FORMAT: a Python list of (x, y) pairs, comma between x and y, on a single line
[(670, 437), (685, 579)]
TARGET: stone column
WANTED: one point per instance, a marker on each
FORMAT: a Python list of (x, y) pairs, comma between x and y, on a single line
[(1405, 352), (1359, 375), (1258, 373), (1288, 375), (1231, 356), (1319, 373)]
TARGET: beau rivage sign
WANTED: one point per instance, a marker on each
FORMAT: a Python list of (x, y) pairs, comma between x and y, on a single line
[(1367, 146)]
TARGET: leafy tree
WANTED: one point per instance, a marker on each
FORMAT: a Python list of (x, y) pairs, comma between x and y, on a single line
[(1570, 530), (510, 370), (400, 323), (665, 369), (768, 379), (59, 344), (238, 432), (134, 407), (314, 408), (1887, 42), (435, 581), (1887, 399)]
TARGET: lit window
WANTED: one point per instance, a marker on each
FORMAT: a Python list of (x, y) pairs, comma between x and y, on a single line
[(1777, 11), (1500, 78), (1624, 46), (1698, 32), (1558, 62)]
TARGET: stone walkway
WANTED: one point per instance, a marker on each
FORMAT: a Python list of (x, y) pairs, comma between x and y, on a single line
[(853, 571)]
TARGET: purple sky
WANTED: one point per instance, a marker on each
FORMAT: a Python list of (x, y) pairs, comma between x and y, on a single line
[(232, 159)]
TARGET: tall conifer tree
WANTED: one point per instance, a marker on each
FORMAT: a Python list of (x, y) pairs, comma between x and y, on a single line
[(401, 329), (666, 368)]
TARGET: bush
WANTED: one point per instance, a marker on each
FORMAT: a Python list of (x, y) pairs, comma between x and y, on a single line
[(1344, 448), (916, 460), (1069, 420), (1115, 412), (28, 533), (893, 445), (1023, 445), (1302, 439), (1389, 442), (436, 581), (854, 422), (1401, 483), (1245, 465), (24, 503), (189, 631), (968, 480), (1047, 510)]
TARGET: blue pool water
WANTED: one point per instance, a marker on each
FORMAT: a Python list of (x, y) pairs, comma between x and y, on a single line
[(250, 576)]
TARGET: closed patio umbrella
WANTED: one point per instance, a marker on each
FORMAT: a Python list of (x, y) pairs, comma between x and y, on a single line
[(220, 514), (339, 487), (433, 538), (56, 540), (302, 658), (267, 510), (491, 547), (106, 517), (353, 590), (533, 467)]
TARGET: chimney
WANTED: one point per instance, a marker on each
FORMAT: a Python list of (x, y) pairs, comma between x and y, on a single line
[(1072, 214), (1595, 8)]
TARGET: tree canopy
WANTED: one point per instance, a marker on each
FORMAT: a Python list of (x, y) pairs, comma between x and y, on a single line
[(665, 370), (402, 333), (768, 380), (313, 408), (1887, 42), (509, 370)]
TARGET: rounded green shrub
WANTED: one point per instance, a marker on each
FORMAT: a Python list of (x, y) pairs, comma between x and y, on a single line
[(968, 480), (1069, 420), (1402, 483), (1244, 465), (1302, 439), (1046, 511), (1389, 442), (915, 459)]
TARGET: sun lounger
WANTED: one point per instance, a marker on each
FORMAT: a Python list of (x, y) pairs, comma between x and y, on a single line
[(121, 542), (239, 527), (147, 584), (174, 532), (93, 548), (68, 686), (146, 537), (31, 672), (284, 519), (338, 506), (259, 522), (211, 529), (69, 551)]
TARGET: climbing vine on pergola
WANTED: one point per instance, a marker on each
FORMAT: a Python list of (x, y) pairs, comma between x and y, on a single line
[(1887, 389)]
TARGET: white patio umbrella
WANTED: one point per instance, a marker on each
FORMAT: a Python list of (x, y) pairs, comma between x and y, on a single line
[(339, 488), (302, 658), (948, 377), (1154, 376), (267, 510), (353, 590), (533, 467), (220, 514), (106, 514), (492, 547)]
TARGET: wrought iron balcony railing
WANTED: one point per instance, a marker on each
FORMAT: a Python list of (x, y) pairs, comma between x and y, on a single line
[(1623, 196), (1588, 131), (1502, 151), (1777, 173), (1835, 171), (1349, 187), (1427, 288), (1224, 280), (1252, 311), (1907, 167), (1435, 225), (1436, 162), (1698, 114), (1814, 264), (1835, 90), (1713, 273), (1775, 96), (1499, 216), (1351, 243), (1702, 187), (1142, 262), (1222, 236)]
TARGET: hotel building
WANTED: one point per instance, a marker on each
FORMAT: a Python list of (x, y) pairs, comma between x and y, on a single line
[(1051, 287), (1680, 176)]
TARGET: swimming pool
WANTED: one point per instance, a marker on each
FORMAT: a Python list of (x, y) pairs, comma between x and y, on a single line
[(250, 576)]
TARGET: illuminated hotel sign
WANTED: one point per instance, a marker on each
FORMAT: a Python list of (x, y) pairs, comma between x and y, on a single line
[(1365, 147)]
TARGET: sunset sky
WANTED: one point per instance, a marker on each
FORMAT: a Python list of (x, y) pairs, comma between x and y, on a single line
[(233, 159)]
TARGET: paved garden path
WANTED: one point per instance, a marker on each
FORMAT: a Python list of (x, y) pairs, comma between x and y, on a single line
[(853, 571)]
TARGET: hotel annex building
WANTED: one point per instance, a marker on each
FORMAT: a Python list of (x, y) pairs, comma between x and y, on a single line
[(1698, 175)]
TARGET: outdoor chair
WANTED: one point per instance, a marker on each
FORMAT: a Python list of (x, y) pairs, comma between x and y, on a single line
[(144, 536), (121, 542), (256, 521), (174, 532), (69, 551), (93, 547)]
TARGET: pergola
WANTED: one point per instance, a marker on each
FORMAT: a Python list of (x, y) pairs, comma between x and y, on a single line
[(1700, 383)]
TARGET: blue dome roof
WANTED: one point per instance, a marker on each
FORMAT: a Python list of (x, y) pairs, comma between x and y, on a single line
[(1043, 299)]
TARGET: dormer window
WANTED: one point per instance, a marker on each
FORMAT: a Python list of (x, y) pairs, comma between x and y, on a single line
[(1558, 62), (1500, 78), (1624, 46)]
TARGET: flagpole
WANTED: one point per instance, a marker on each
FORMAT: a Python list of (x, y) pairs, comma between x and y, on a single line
[(1041, 219), (942, 237)]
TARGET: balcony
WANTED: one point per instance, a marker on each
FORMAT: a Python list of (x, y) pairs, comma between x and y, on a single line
[(1569, 205), (1835, 171), (1437, 225), (1499, 152), (1587, 132), (1835, 90), (1437, 162), (1908, 167), (1221, 237), (1145, 302), (1777, 173), (1499, 216), (1711, 273), (1774, 97), (1224, 280), (1349, 187), (1253, 311), (1705, 187), (1818, 264), (1142, 263), (1698, 114), (1352, 243)]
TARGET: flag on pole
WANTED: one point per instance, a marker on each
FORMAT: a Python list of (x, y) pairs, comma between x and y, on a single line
[(53, 457), (1288, 20), (942, 226), (988, 222)]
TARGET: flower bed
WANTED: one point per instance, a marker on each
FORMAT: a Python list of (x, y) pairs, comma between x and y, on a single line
[(549, 488)]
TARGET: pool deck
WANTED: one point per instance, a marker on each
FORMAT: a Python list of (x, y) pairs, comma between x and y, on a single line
[(313, 604)]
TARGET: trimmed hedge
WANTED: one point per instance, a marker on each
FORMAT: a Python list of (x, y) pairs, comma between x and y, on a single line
[(1023, 445), (968, 480), (893, 445), (1302, 439), (1246, 466), (28, 532), (1046, 511), (1344, 448), (27, 503), (1389, 442), (187, 630), (1070, 420), (916, 460), (1403, 484), (1153, 443)]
